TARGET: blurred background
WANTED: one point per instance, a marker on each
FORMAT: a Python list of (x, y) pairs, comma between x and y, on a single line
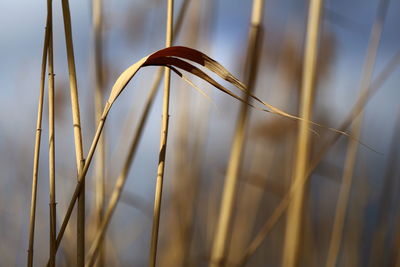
[(202, 130)]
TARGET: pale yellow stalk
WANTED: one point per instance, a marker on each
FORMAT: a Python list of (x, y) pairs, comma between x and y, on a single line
[(184, 180), (97, 24), (292, 235), (163, 143), (77, 131), (218, 253), (36, 157), (201, 128), (52, 173)]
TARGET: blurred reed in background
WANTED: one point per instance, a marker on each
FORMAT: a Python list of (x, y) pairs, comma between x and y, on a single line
[(313, 181)]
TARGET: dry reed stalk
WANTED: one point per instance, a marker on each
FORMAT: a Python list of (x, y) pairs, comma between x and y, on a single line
[(184, 182), (163, 143), (52, 172), (191, 249), (256, 186), (292, 235), (97, 24), (176, 218), (119, 185), (218, 253), (182, 192), (36, 157), (77, 131), (199, 148), (356, 109), (117, 191), (351, 155)]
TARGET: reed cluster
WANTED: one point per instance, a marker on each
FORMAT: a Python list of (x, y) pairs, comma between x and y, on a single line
[(257, 207)]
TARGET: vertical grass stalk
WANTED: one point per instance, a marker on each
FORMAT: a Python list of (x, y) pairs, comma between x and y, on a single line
[(218, 253), (351, 155), (163, 143), (292, 235), (52, 186), (97, 17), (77, 131), (38, 136), (120, 183), (185, 182)]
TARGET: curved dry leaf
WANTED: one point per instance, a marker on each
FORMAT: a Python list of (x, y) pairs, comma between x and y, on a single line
[(172, 57)]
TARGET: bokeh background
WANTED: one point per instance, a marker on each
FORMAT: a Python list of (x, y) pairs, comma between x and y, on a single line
[(201, 131)]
